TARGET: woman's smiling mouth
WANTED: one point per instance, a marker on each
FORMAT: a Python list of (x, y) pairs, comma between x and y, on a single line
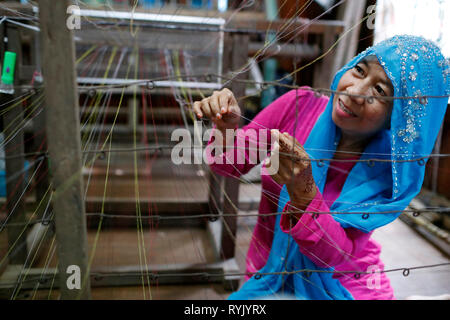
[(344, 111)]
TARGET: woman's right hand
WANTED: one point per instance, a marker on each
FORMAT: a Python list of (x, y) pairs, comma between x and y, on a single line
[(222, 108)]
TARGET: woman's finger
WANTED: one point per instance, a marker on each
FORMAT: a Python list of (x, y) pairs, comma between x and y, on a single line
[(206, 108), (283, 175), (274, 136), (272, 162), (197, 109), (287, 142), (214, 105), (297, 144), (290, 145), (225, 101)]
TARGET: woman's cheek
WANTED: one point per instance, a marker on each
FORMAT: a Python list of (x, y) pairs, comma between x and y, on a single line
[(376, 120)]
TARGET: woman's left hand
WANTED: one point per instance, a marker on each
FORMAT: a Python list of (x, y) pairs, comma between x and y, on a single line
[(294, 169)]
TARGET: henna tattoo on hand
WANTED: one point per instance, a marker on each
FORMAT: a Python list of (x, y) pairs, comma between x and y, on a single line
[(308, 179)]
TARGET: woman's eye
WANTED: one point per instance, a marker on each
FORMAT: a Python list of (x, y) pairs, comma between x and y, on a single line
[(380, 90), (359, 69)]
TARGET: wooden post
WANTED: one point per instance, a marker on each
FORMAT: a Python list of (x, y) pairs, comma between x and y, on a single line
[(12, 120), (64, 145), (323, 71), (239, 58), (214, 197), (351, 12), (39, 140)]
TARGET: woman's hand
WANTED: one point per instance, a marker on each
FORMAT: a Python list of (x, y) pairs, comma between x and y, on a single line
[(222, 108), (294, 169)]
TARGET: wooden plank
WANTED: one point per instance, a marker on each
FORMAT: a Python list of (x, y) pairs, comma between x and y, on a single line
[(402, 247), (58, 68), (440, 244), (288, 26), (351, 12), (132, 275)]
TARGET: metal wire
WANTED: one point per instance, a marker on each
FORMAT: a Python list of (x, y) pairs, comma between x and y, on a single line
[(149, 84), (206, 275), (214, 217), (160, 148)]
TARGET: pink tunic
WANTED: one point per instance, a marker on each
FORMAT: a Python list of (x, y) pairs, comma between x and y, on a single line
[(322, 240)]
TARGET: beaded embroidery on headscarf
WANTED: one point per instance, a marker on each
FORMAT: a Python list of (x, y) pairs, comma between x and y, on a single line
[(418, 61)]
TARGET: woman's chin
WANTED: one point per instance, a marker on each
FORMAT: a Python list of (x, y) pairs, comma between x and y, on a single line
[(337, 120)]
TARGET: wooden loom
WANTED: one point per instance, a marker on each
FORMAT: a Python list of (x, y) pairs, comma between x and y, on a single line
[(62, 93)]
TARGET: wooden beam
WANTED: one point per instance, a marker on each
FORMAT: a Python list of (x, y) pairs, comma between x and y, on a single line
[(63, 137), (300, 51), (39, 129), (351, 12), (287, 27), (42, 278), (322, 71)]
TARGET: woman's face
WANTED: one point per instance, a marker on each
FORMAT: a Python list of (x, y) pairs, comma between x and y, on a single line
[(355, 115)]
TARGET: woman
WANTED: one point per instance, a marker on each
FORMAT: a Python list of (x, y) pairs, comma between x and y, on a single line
[(350, 197)]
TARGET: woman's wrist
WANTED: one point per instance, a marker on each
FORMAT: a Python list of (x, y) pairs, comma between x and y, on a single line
[(301, 199)]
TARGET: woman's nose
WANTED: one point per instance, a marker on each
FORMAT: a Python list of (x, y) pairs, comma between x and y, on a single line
[(357, 93)]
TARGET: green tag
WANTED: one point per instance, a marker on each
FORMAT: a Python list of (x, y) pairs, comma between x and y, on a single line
[(9, 64)]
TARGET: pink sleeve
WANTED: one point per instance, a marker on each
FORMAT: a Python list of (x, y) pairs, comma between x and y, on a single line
[(252, 142), (321, 238)]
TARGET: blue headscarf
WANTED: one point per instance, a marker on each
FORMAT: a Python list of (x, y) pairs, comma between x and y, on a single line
[(416, 67)]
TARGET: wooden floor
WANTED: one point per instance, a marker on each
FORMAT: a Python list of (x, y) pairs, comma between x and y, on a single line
[(403, 247)]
